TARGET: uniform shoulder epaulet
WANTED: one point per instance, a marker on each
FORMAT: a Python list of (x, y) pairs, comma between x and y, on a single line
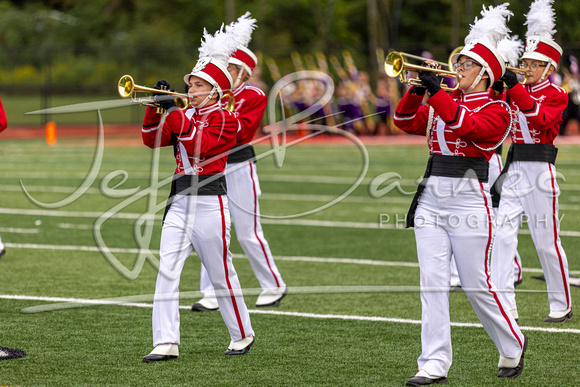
[(561, 90), (256, 89)]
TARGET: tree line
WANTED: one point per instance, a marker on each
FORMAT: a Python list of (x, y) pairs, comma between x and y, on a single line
[(82, 43)]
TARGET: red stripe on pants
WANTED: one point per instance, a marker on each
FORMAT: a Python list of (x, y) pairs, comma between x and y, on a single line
[(256, 225), (519, 268), (225, 259), (487, 269), (555, 219)]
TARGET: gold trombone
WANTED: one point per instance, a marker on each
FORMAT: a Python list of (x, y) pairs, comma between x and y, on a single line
[(128, 89), (397, 65)]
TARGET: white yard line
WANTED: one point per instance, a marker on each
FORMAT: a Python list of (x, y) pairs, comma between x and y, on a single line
[(307, 179), (46, 188), (120, 302), (354, 261), (273, 221), (69, 214), (264, 196), (19, 230)]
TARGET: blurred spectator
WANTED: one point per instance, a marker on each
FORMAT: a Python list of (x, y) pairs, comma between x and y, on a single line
[(256, 80), (355, 106), (348, 105), (382, 104), (570, 81), (364, 96)]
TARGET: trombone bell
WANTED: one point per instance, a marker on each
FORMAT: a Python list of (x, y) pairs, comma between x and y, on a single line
[(128, 89), (125, 86), (396, 65)]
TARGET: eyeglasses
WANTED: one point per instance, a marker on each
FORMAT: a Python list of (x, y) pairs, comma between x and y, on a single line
[(533, 66), (466, 65)]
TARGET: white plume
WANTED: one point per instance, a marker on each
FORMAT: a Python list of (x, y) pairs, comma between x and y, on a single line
[(541, 19), (511, 49), (492, 26), (218, 46), (242, 29)]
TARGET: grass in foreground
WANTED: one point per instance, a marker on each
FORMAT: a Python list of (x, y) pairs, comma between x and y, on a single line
[(103, 345)]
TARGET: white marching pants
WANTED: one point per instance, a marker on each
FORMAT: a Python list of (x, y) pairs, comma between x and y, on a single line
[(455, 220), (531, 189), (243, 194), (201, 223), (495, 167)]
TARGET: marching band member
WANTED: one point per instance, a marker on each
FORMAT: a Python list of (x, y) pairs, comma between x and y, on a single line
[(510, 48), (198, 216), (3, 125), (242, 178), (452, 212), (528, 185)]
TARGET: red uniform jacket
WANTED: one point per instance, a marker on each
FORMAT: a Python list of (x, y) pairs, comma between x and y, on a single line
[(3, 121), (207, 137), (250, 106), (540, 109), (456, 123)]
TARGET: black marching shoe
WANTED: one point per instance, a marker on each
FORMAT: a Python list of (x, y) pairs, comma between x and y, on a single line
[(560, 319), (2, 252), (517, 370), (424, 379), (240, 347), (162, 352), (152, 358), (206, 304), (271, 297)]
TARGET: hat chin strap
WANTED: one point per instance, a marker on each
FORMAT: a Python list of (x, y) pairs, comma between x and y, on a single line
[(238, 79), (477, 80), (208, 98), (546, 71), (243, 67)]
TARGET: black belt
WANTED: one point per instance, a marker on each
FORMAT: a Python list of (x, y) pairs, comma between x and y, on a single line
[(199, 185), (534, 152), (241, 153), (456, 166), (448, 166), (522, 152)]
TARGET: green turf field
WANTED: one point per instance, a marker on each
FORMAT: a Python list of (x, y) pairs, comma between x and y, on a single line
[(349, 259)]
